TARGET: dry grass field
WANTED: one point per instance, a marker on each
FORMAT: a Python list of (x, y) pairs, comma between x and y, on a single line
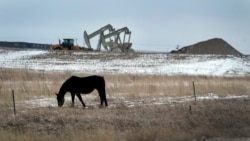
[(141, 107)]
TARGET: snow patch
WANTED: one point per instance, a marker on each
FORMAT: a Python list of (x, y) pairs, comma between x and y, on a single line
[(114, 102), (142, 63)]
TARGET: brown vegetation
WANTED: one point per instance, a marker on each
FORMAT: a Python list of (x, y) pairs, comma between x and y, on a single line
[(219, 118)]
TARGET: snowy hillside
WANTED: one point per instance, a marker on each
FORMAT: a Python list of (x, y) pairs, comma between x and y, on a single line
[(140, 63)]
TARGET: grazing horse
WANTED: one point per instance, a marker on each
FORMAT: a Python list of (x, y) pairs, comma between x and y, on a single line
[(77, 85)]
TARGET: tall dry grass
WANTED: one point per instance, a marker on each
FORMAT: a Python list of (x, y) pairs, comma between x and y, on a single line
[(225, 119), (40, 82)]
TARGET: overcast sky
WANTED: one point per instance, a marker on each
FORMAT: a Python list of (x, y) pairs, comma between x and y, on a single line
[(158, 25)]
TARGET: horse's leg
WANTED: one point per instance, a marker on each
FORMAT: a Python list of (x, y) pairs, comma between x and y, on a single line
[(104, 98), (102, 95), (80, 98), (73, 99)]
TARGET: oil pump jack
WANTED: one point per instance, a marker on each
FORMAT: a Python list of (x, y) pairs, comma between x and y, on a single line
[(115, 43), (99, 32)]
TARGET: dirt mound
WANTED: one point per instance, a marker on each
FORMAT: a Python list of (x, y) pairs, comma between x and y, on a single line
[(211, 46)]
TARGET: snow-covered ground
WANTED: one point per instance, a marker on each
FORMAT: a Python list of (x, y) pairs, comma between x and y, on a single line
[(140, 63), (93, 100)]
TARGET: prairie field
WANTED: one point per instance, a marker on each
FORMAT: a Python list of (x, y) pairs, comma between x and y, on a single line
[(141, 107)]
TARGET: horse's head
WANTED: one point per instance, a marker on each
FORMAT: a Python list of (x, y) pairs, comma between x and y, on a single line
[(60, 100)]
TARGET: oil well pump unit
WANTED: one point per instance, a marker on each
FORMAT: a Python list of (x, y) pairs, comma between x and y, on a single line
[(110, 39)]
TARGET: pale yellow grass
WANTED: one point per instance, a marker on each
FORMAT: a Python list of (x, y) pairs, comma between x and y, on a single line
[(224, 119), (47, 83)]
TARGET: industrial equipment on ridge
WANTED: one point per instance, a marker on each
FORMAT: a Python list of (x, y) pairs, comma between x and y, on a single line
[(111, 40), (114, 43), (67, 44)]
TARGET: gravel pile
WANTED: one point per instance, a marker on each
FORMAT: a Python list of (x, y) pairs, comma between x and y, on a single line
[(211, 46)]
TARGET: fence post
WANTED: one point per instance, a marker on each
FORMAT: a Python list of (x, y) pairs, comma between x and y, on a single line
[(190, 109), (14, 105), (194, 92)]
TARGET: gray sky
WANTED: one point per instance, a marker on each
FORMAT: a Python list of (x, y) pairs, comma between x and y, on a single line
[(158, 25)]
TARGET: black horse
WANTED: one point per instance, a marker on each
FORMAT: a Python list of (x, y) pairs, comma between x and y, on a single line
[(77, 85)]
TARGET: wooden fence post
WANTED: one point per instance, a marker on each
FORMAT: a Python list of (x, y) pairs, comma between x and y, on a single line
[(194, 92), (190, 109), (14, 105)]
